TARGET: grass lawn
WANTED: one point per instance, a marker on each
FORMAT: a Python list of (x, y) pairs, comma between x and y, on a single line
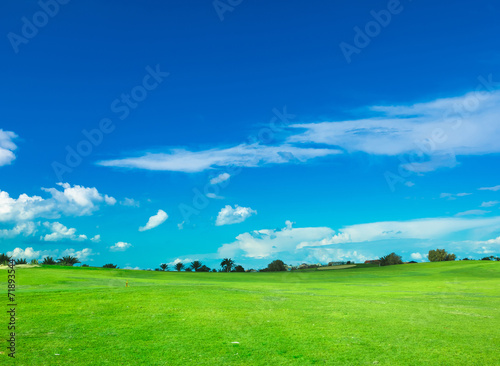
[(414, 314)]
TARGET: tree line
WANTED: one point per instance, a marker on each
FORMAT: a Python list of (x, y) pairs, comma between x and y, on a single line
[(229, 265)]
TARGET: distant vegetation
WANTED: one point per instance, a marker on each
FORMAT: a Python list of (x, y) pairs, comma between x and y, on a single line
[(229, 265)]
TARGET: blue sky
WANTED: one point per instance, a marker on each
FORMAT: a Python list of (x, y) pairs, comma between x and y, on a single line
[(145, 132)]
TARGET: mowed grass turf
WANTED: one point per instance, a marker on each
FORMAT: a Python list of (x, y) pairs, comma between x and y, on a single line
[(414, 314)]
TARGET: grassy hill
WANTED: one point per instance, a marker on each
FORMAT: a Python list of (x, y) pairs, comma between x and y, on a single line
[(416, 314)]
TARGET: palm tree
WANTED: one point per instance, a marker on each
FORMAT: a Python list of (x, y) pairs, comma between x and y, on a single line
[(196, 265), (179, 266), (21, 261), (4, 259), (68, 261), (164, 267), (48, 260), (227, 264)]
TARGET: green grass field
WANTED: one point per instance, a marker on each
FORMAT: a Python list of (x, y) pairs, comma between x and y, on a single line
[(415, 314)]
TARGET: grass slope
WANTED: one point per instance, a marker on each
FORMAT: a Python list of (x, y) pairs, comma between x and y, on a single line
[(419, 314)]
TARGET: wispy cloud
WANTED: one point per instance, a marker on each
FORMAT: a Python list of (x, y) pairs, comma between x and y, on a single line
[(494, 189), (220, 178), (155, 221), (243, 155), (490, 203), (436, 130), (473, 213), (453, 196), (7, 147)]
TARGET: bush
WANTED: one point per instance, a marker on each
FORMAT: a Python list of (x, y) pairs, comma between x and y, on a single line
[(239, 268), (110, 265), (34, 261), (440, 255), (390, 259), (276, 266)]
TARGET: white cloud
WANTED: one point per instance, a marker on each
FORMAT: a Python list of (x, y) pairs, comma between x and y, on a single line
[(120, 247), (133, 268), (155, 220), (96, 238), (61, 232), (434, 132), (229, 215), (490, 203), (27, 253), (181, 260), (77, 200), (325, 255), (220, 178), (472, 213), (130, 202), (82, 255), (72, 200), (243, 155), (491, 246), (7, 147), (181, 225), (23, 228), (264, 243), (494, 189), (409, 184), (452, 196), (418, 256)]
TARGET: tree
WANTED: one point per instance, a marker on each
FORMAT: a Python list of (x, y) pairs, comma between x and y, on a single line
[(195, 265), (214, 270), (203, 268), (164, 267), (188, 269), (179, 266), (34, 261), (440, 255), (390, 259), (276, 266), (109, 265), (227, 264), (68, 261), (239, 268), (85, 265), (4, 259), (21, 261), (49, 260)]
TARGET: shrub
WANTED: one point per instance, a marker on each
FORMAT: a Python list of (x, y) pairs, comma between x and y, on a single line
[(239, 268), (110, 265), (34, 261)]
